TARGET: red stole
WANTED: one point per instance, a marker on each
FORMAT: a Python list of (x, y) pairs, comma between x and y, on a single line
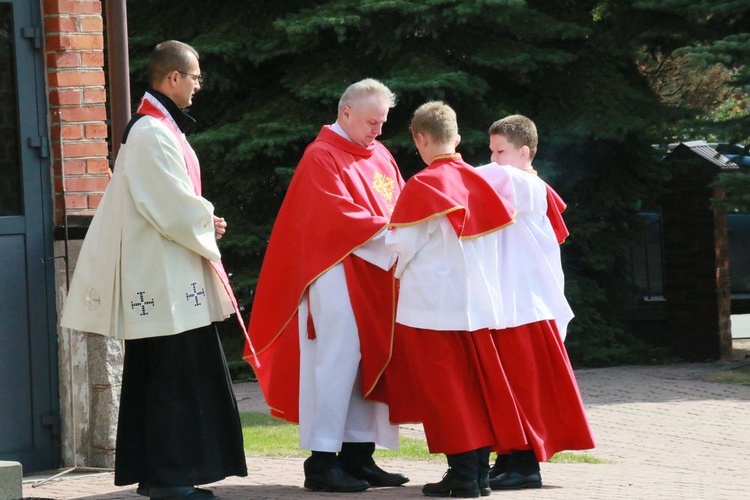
[(451, 187), (150, 106)]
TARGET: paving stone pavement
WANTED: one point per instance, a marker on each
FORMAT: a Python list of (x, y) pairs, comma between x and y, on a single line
[(662, 432)]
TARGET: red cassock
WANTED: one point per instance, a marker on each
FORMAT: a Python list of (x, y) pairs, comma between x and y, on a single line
[(453, 381), (537, 366), (340, 197)]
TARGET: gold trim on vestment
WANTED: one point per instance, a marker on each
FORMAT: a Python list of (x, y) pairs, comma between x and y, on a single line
[(307, 285), (393, 334)]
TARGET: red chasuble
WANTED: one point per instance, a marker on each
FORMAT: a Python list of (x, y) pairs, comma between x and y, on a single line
[(451, 187), (340, 197)]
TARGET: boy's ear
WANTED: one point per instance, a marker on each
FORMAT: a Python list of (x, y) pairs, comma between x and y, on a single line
[(458, 140), (525, 152)]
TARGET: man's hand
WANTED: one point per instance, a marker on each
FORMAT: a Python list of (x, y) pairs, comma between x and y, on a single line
[(220, 225)]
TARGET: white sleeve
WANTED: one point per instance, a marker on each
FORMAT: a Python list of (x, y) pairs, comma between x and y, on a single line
[(163, 194), (406, 241), (498, 177), (518, 187), (376, 253)]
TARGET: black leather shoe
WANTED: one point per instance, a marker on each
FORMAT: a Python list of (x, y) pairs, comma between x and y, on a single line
[(452, 486), (496, 471), (377, 476), (500, 465), (516, 481), (179, 494), (334, 480), (197, 494), (484, 486)]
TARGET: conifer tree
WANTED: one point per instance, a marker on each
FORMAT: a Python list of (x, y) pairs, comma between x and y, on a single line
[(274, 72)]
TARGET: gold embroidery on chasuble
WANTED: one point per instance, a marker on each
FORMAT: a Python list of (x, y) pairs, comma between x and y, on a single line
[(384, 186)]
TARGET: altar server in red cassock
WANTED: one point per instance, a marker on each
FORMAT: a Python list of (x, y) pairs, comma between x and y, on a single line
[(537, 312), (445, 231), (322, 316)]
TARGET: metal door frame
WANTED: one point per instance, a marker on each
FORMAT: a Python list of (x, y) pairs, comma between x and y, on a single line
[(36, 224)]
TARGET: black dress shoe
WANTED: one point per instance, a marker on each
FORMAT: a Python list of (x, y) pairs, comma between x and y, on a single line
[(496, 471), (484, 486), (334, 480), (500, 465), (516, 481), (197, 494), (180, 493), (377, 476), (452, 486)]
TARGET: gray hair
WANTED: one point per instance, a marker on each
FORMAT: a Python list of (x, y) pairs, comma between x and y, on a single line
[(366, 88)]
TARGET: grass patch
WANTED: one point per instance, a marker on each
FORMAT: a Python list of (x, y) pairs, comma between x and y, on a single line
[(740, 375), (268, 436), (567, 457)]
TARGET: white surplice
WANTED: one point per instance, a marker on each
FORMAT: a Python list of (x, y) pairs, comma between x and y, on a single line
[(531, 271)]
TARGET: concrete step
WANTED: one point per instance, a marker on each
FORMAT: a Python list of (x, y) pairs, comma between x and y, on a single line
[(11, 479)]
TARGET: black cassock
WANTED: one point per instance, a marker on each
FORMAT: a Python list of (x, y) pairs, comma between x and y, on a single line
[(179, 423)]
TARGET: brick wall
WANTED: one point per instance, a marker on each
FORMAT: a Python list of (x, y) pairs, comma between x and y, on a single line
[(74, 42)]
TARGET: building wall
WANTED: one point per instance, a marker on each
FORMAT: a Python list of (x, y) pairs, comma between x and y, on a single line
[(89, 365), (74, 42)]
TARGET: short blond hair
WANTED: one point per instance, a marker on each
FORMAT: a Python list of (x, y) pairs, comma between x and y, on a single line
[(366, 88), (437, 120), (519, 130)]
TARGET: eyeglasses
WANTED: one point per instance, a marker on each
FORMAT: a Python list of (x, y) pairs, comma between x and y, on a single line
[(194, 77)]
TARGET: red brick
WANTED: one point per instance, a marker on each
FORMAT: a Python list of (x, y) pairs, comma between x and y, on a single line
[(97, 166), (84, 113), (96, 96), (92, 58), (94, 200), (85, 149), (56, 149), (87, 42), (58, 42), (76, 78), (86, 184), (91, 24), (64, 59), (73, 41), (69, 132), (74, 166), (75, 201), (65, 97), (72, 6), (58, 24), (95, 131), (58, 209)]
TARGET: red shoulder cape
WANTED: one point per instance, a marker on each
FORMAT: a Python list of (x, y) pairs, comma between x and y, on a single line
[(451, 187), (340, 197), (555, 207)]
